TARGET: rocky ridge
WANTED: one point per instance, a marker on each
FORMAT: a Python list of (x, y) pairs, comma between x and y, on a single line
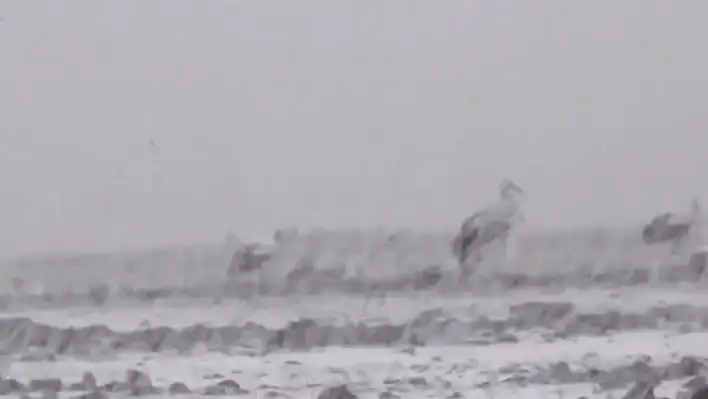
[(549, 320)]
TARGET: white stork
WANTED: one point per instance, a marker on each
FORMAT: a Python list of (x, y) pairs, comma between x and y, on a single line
[(674, 228), (488, 225)]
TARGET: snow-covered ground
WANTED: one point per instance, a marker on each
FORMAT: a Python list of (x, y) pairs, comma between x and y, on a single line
[(425, 372), (537, 341)]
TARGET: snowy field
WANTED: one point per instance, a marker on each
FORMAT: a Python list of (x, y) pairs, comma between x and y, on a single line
[(584, 314)]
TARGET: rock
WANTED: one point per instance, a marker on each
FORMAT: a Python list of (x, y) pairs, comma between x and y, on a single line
[(224, 387), (99, 294), (49, 395), (115, 386), (92, 395), (75, 387), (595, 323), (10, 386), (229, 384), (418, 382), (691, 387), (641, 390), (47, 384), (409, 349), (686, 367), (88, 384), (388, 395), (292, 362), (507, 338), (686, 328), (339, 392), (700, 394), (698, 263), (139, 383), (531, 314), (178, 388), (427, 278), (88, 381), (696, 383), (518, 379), (560, 373), (619, 377), (557, 373), (39, 355)]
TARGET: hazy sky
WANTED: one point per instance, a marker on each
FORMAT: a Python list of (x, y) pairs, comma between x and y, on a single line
[(341, 114)]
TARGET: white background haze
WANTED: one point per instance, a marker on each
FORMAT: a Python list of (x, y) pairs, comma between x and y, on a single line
[(341, 114)]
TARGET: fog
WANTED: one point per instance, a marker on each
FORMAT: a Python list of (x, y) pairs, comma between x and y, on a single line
[(341, 114)]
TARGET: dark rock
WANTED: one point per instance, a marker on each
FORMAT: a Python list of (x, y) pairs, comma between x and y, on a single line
[(698, 263), (700, 394), (691, 387), (178, 388), (427, 278), (99, 294), (47, 384), (641, 390), (677, 313), (620, 377), (598, 323), (418, 381), (508, 338), (115, 386), (531, 314), (88, 383), (686, 367), (638, 276), (139, 383), (292, 362), (557, 373), (41, 355), (224, 387), (92, 395), (230, 384), (388, 395), (696, 383), (340, 392), (75, 386), (10, 386), (518, 379)]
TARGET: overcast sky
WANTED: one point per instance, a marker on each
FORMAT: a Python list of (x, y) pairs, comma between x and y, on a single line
[(341, 114)]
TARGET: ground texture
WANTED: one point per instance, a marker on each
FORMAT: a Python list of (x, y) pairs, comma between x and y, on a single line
[(584, 315)]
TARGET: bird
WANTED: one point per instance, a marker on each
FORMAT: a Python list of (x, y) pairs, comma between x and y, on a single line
[(674, 228), (489, 225)]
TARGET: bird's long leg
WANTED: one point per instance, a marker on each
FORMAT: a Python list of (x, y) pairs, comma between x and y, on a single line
[(469, 263), (505, 247), (676, 245)]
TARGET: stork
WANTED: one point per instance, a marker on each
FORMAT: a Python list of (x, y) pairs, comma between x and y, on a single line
[(674, 228), (248, 259), (491, 224)]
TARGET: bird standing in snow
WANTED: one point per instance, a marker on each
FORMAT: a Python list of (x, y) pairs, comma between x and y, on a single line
[(489, 225), (674, 228)]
